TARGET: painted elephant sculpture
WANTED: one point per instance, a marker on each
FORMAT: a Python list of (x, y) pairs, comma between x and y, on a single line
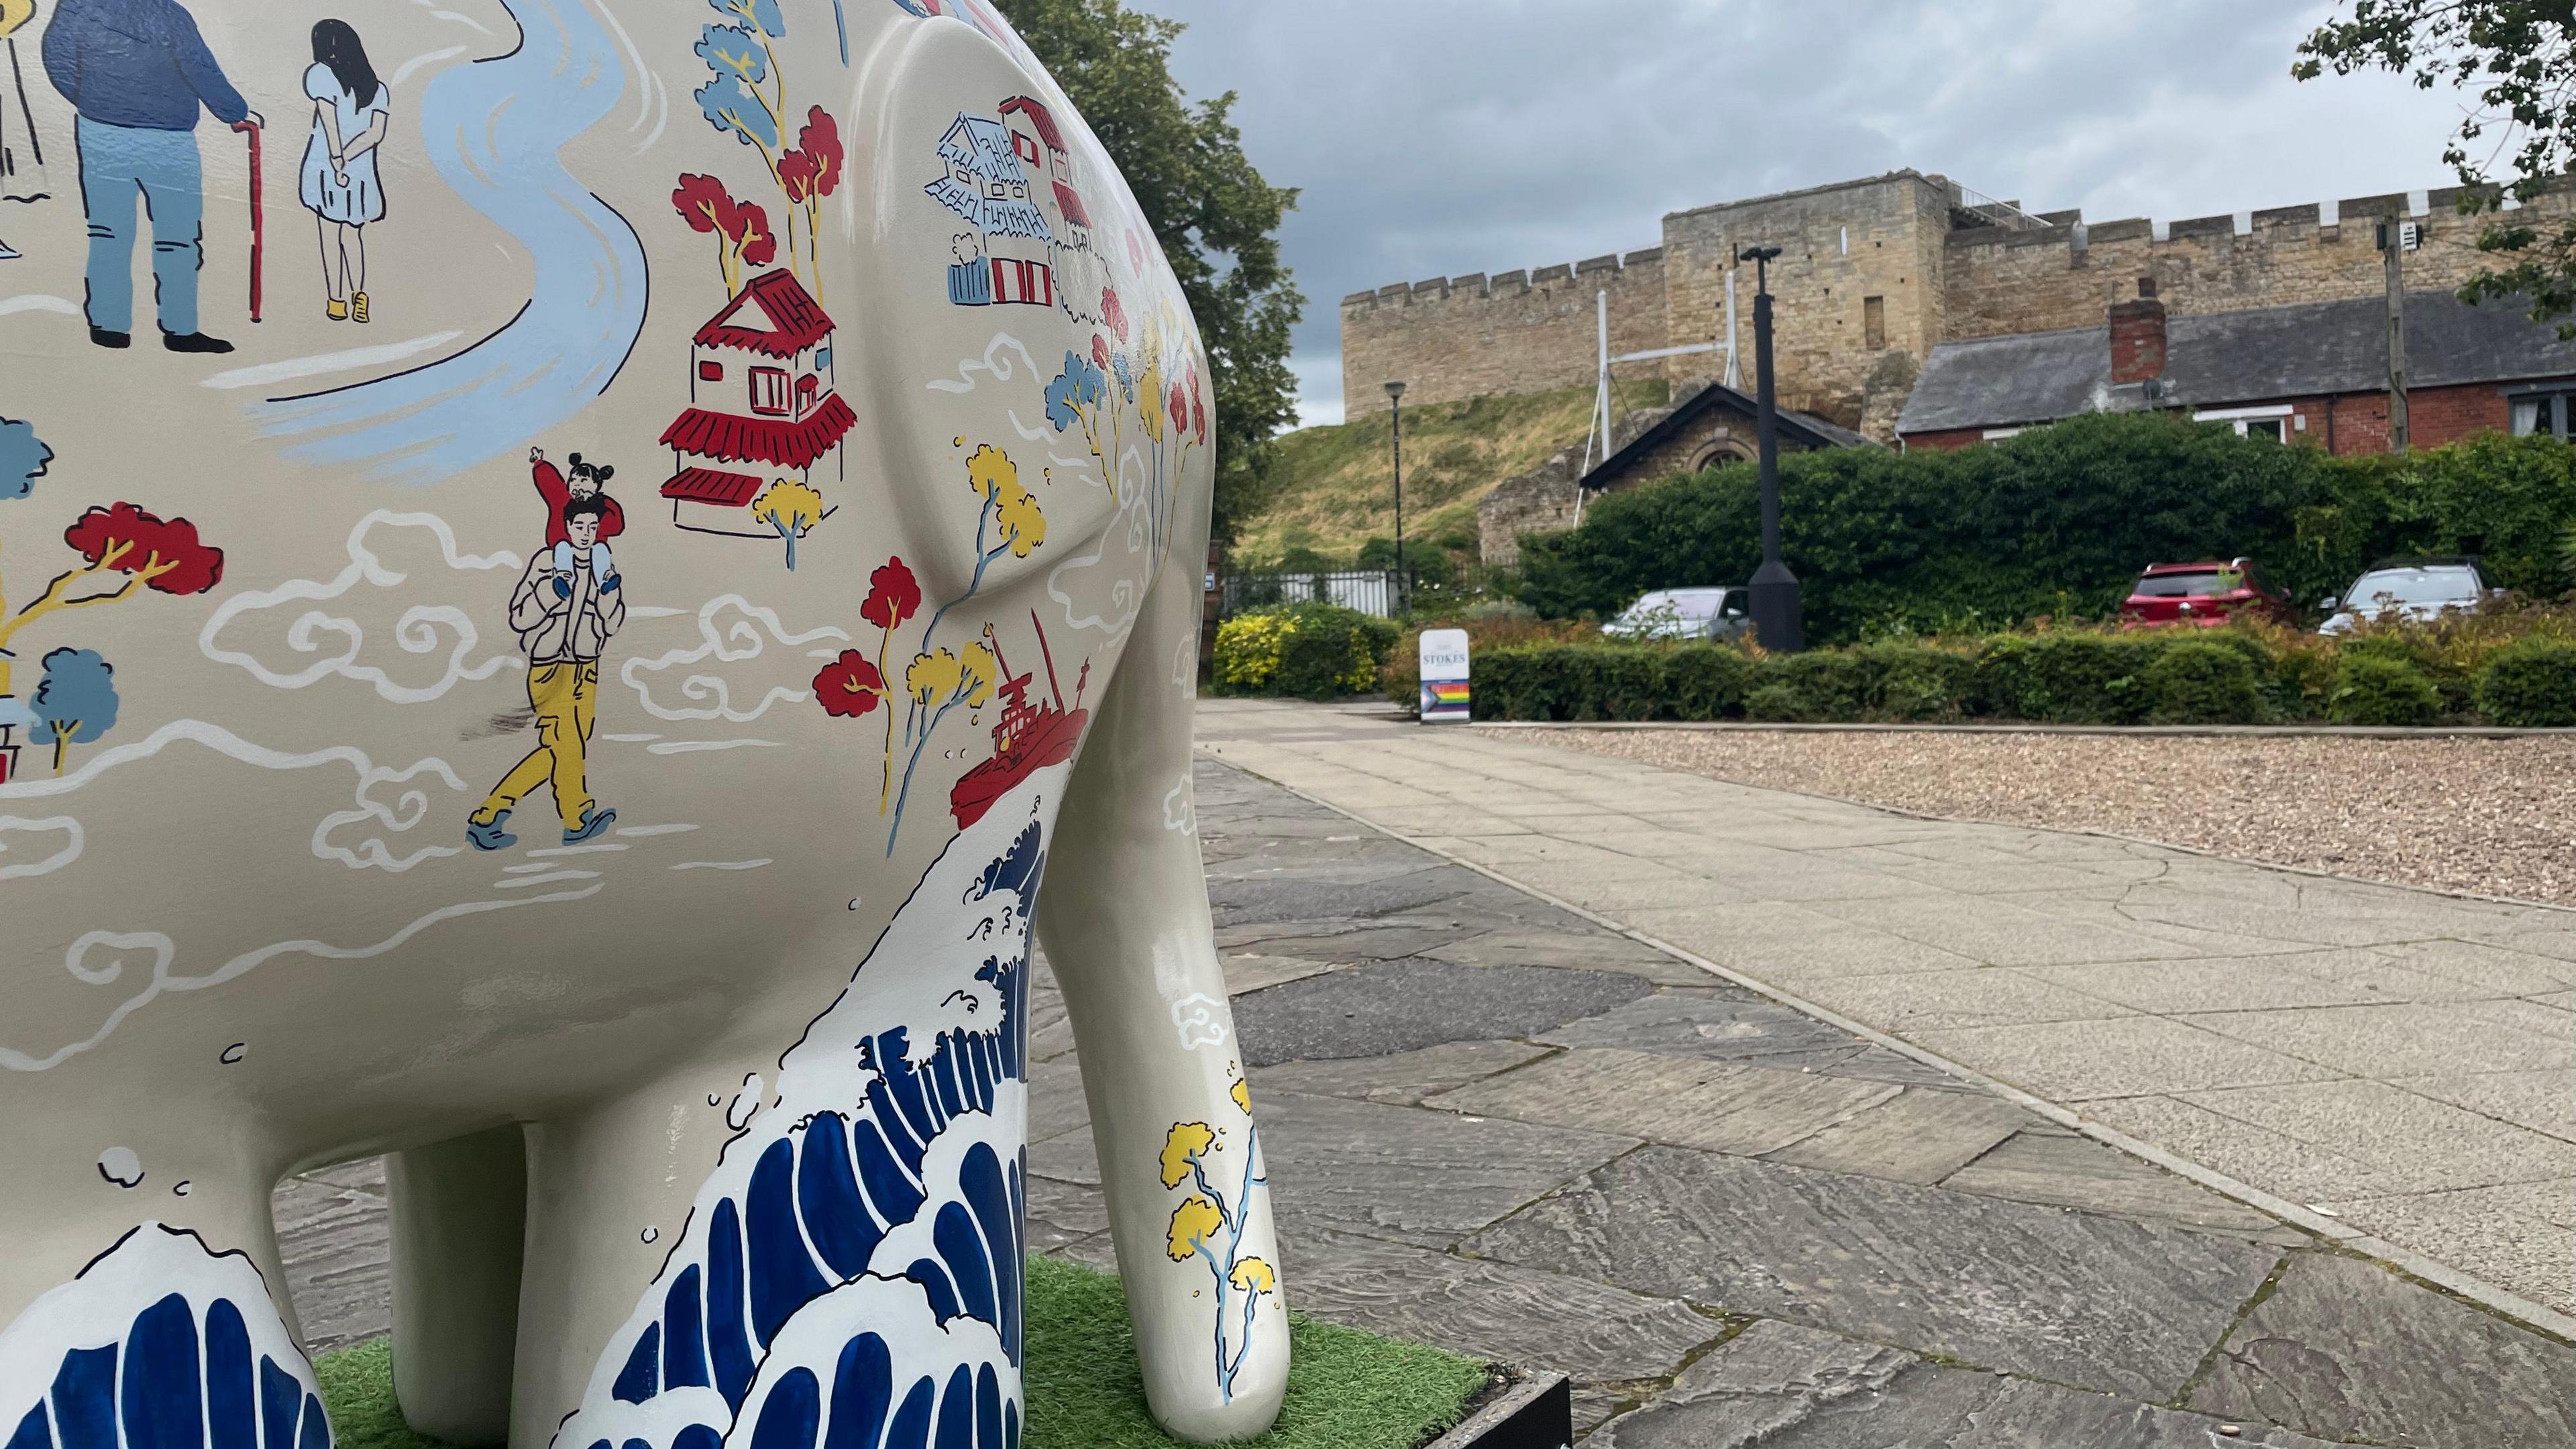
[(566, 568)]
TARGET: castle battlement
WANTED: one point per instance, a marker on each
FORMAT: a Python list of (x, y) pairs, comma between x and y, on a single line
[(1874, 273)]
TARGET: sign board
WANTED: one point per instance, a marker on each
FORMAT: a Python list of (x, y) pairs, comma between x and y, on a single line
[(1444, 676)]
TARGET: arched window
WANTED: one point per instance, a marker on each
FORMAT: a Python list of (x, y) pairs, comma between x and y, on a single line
[(1717, 451)]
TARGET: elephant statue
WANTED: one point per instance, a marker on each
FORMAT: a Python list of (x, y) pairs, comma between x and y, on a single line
[(566, 569)]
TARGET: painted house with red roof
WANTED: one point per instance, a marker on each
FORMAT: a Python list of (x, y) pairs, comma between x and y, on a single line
[(1004, 260), (1039, 143), (762, 406)]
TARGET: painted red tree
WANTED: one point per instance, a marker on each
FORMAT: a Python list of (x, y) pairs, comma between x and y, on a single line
[(809, 173), (164, 555), (741, 228)]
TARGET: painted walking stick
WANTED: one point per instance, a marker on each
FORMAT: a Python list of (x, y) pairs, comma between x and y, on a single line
[(258, 217)]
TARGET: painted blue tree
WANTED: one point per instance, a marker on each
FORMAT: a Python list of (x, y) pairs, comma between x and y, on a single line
[(23, 458), (75, 703), (747, 98)]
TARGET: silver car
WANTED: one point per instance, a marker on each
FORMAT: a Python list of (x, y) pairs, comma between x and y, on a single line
[(1711, 613), (2417, 592)]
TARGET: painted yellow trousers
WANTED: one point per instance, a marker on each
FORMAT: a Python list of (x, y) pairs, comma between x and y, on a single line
[(566, 697)]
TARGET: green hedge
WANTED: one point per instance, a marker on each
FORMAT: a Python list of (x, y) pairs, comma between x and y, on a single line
[(1302, 651), (2531, 684), (2172, 676), (2057, 522)]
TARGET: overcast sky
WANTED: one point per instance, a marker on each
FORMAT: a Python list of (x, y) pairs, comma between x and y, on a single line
[(1439, 137)]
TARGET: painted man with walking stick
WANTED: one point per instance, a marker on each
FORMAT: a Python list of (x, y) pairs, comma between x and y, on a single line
[(138, 72)]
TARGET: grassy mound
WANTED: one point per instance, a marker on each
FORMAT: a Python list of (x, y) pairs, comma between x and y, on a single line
[(1346, 1389), (1336, 491)]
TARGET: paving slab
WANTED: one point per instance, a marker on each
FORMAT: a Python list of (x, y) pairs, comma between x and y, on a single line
[(1987, 996), (2346, 1349), (2544, 1101), (1398, 1006), (2405, 1039), (2092, 1302), (2073, 1061), (1715, 1106), (2078, 1172), (1495, 1311), (1784, 1387), (1410, 1175), (1918, 1136), (1246, 973), (340, 1277), (2412, 1143), (1732, 1025), (1402, 1079), (1591, 949), (2513, 1236)]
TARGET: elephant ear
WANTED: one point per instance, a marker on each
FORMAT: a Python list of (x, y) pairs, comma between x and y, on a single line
[(931, 309)]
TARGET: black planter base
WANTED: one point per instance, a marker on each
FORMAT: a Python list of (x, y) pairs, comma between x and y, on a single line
[(1536, 1413)]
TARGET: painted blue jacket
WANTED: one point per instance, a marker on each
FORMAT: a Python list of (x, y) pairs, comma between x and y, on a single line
[(138, 63)]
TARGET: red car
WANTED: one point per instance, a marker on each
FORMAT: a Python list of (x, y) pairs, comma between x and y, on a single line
[(2202, 594)]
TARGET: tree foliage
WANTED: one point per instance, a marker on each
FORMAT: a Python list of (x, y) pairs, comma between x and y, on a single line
[(2059, 520), (2518, 58), (1216, 217)]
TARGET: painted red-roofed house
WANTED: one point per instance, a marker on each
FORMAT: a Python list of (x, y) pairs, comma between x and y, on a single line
[(762, 406), (1039, 143)]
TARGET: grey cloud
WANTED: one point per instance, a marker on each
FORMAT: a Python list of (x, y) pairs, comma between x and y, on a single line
[(1438, 137)]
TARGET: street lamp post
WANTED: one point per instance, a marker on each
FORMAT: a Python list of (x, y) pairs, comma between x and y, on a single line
[(1395, 396), (1778, 619)]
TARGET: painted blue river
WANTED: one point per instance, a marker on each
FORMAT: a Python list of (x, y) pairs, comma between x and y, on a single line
[(495, 130)]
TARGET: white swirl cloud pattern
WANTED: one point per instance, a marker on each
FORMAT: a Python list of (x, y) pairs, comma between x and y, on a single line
[(732, 630), (422, 631)]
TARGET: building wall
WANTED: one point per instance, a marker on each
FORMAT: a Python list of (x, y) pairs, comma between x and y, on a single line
[(1453, 338), (1944, 271), (2351, 424)]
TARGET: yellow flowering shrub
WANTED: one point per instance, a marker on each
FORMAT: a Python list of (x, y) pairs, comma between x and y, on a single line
[(1249, 649)]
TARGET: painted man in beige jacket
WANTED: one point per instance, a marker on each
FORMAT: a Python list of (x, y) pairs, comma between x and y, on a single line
[(564, 619)]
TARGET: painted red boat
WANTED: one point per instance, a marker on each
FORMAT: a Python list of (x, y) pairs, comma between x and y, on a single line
[(1029, 737)]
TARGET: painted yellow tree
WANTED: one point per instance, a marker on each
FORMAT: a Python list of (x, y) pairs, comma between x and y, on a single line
[(1008, 523), (1210, 1228), (793, 509)]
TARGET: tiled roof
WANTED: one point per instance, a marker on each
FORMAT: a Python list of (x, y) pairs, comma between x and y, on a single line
[(731, 438), (2217, 359)]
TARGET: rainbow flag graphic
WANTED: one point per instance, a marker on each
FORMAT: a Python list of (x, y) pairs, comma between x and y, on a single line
[(1445, 699)]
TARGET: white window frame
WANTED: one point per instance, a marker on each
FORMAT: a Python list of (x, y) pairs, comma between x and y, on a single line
[(2239, 417), (1996, 435)]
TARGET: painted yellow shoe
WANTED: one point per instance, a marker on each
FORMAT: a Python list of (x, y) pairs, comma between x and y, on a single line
[(339, 310), (358, 306)]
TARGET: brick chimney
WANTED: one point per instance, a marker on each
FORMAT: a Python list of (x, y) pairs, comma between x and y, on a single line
[(2138, 337)]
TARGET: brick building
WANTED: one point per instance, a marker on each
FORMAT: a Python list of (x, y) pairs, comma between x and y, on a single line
[(2314, 372), (1875, 275), (1713, 425)]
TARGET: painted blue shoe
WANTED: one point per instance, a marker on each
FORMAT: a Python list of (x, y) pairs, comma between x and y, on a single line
[(489, 835), (593, 821)]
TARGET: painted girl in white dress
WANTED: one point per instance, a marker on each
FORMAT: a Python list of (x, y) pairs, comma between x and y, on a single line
[(351, 111), (22, 151)]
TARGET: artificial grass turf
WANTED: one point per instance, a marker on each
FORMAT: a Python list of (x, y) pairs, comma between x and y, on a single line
[(1346, 1389)]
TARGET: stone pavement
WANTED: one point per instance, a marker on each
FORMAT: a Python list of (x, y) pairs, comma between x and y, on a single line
[(2367, 1059), (1501, 1127)]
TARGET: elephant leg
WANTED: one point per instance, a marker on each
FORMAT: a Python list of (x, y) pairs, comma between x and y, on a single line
[(1126, 924), (152, 1334), (459, 1224)]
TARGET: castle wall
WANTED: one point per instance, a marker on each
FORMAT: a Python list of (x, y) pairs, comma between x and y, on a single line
[(1840, 246), (2001, 282), (1453, 338)]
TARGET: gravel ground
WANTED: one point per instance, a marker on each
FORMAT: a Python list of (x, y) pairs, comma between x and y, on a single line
[(2493, 817)]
